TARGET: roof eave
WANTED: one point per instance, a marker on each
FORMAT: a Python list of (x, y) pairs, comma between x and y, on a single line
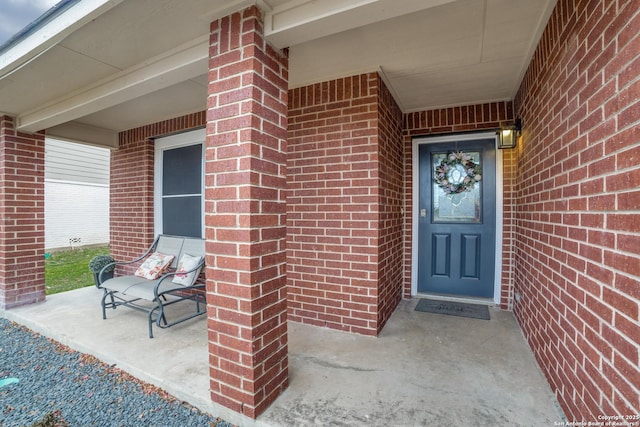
[(48, 30)]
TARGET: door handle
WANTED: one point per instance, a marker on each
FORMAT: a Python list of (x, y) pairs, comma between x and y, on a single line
[(423, 213)]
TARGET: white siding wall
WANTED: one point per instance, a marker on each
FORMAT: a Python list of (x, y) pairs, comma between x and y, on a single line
[(67, 161), (75, 211), (76, 195)]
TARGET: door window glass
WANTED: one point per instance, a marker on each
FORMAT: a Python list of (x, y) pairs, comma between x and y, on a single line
[(465, 206)]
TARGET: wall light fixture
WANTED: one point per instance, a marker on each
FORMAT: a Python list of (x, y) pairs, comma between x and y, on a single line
[(507, 137)]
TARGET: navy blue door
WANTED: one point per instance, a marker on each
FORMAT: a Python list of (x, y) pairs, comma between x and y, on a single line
[(456, 220)]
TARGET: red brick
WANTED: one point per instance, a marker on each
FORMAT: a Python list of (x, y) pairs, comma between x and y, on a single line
[(343, 184), (628, 328), (605, 110), (624, 222), (621, 302), (623, 263), (254, 169), (22, 221), (627, 285), (621, 388), (551, 243), (620, 343)]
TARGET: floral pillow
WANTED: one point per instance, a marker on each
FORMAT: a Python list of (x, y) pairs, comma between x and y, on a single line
[(187, 262), (154, 266)]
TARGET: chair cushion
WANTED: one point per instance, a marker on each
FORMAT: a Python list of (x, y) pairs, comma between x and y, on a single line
[(187, 262), (154, 266)]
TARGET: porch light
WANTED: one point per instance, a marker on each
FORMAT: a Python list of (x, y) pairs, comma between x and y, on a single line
[(507, 137)]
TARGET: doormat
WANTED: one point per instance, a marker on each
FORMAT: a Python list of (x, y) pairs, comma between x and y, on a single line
[(474, 311)]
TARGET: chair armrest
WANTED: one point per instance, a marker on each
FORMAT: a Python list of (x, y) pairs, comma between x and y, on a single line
[(102, 271), (173, 273), (114, 264)]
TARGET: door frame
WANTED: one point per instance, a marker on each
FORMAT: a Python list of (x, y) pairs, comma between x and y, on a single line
[(416, 142)]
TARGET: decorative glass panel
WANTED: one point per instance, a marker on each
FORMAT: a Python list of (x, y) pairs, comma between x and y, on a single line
[(464, 206)]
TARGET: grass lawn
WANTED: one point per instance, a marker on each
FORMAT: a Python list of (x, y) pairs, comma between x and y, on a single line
[(68, 270)]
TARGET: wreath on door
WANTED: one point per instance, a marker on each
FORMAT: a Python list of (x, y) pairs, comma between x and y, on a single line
[(457, 173)]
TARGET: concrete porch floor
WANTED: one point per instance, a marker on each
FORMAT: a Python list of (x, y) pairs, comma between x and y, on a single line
[(423, 369)]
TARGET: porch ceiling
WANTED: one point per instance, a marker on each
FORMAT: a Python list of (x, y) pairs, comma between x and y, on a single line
[(92, 68)]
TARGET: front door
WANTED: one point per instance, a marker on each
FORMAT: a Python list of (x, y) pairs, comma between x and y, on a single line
[(457, 218)]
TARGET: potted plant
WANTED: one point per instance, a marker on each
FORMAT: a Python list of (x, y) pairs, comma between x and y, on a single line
[(96, 265)]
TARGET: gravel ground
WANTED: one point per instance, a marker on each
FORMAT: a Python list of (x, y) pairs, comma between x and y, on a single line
[(60, 387)]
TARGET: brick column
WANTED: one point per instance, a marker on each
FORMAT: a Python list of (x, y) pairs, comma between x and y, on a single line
[(245, 215), (21, 216)]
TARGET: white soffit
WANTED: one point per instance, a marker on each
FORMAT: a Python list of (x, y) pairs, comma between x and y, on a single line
[(93, 56), (179, 64), (57, 72), (124, 63), (51, 33), (140, 29), (186, 97), (78, 132), (461, 52), (299, 21), (462, 85)]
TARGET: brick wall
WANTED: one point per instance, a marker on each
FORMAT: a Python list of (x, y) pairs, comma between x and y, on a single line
[(469, 118), (245, 224), (21, 216), (577, 264), (390, 204), (336, 184), (509, 182), (571, 198), (132, 180)]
